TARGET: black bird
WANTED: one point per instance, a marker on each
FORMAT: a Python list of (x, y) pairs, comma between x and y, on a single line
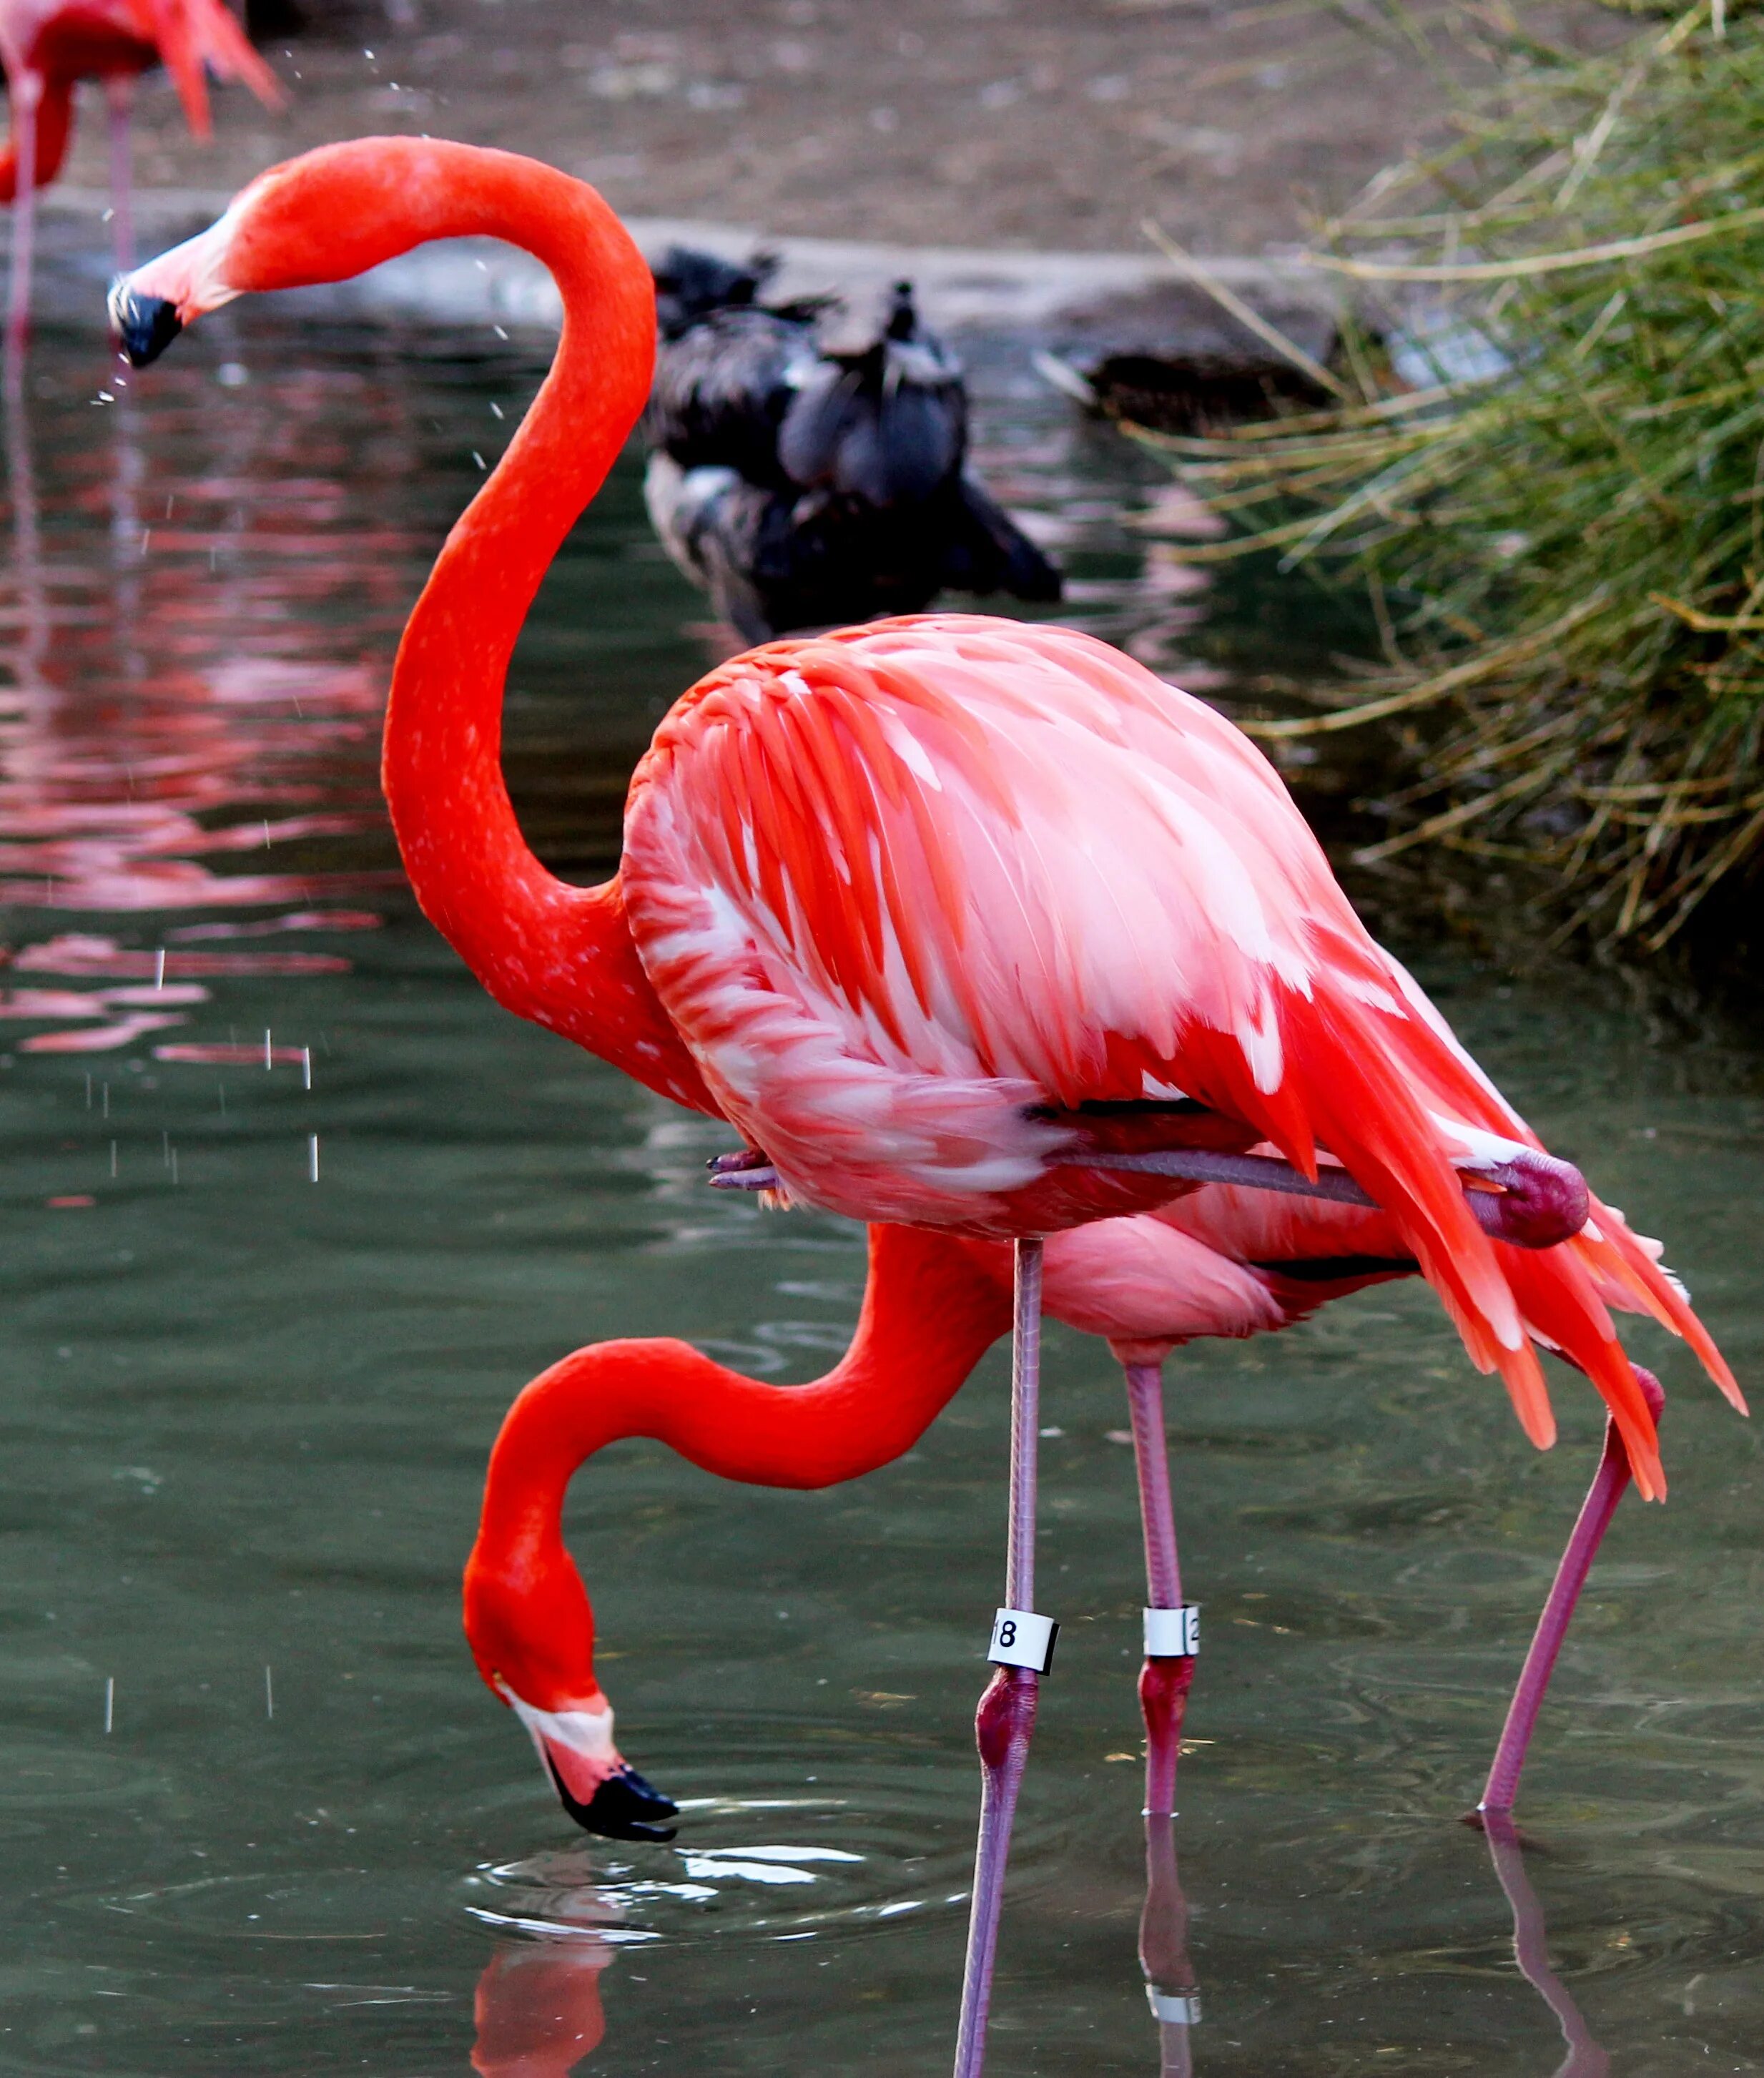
[(805, 489)]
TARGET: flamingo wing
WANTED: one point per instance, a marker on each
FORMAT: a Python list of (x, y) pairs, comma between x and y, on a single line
[(903, 887), (1562, 1293)]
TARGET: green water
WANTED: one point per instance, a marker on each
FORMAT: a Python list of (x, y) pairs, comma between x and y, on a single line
[(244, 1415)]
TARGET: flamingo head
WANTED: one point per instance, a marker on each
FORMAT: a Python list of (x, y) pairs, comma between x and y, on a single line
[(531, 1634), (326, 216), (151, 306)]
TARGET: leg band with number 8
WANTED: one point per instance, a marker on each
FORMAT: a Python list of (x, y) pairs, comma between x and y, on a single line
[(1021, 1639)]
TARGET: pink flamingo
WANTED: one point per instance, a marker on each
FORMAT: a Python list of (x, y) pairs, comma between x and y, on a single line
[(49, 46), (963, 925)]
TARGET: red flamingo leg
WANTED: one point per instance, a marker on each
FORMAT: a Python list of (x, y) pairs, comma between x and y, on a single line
[(120, 96), (1596, 1511), (1164, 1681), (1163, 1949), (27, 93), (1531, 1951), (1006, 1717)]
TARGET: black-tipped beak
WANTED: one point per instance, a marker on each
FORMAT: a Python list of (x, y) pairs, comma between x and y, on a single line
[(624, 1807), (145, 325)]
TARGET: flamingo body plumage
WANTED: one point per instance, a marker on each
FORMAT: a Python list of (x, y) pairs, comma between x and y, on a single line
[(914, 895), (58, 42)]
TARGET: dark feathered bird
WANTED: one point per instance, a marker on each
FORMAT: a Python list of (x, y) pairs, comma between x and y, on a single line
[(803, 488)]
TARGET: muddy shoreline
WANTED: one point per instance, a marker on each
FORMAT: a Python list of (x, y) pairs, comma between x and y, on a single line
[(1023, 124)]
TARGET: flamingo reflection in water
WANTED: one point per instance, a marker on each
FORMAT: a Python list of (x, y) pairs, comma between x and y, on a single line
[(1531, 1952), (539, 2009), (1172, 1990), (174, 717)]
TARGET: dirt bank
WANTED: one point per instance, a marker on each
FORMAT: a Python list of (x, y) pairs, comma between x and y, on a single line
[(1024, 123)]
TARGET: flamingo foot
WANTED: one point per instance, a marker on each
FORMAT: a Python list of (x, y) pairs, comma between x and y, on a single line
[(624, 1806), (1534, 1201), (1596, 1511), (737, 1163)]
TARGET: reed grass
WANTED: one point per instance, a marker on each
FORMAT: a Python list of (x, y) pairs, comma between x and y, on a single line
[(1564, 550)]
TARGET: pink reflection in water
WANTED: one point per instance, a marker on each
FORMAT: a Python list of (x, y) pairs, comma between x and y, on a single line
[(196, 627), (36, 1004), (85, 952), (300, 919), (538, 2007), (232, 1055), (98, 1038)]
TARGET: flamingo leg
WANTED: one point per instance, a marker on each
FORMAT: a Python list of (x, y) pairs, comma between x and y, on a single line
[(1596, 1511), (25, 92), (1006, 1717), (1531, 1951), (1163, 1949), (1164, 1681), (120, 96)]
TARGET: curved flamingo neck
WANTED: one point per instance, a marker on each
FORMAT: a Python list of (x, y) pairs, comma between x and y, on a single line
[(929, 1313), (558, 954)]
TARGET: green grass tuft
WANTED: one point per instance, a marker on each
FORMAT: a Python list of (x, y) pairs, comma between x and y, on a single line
[(1565, 557)]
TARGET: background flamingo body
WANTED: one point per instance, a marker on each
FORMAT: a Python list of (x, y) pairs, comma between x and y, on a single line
[(49, 46), (61, 42)]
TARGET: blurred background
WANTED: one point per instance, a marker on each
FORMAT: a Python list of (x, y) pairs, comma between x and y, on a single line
[(1020, 123)]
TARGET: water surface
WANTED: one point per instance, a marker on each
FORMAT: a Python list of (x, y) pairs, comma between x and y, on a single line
[(245, 1413)]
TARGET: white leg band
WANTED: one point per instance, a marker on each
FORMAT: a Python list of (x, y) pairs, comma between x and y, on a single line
[(1181, 2008), (1173, 1633), (1021, 1639)]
